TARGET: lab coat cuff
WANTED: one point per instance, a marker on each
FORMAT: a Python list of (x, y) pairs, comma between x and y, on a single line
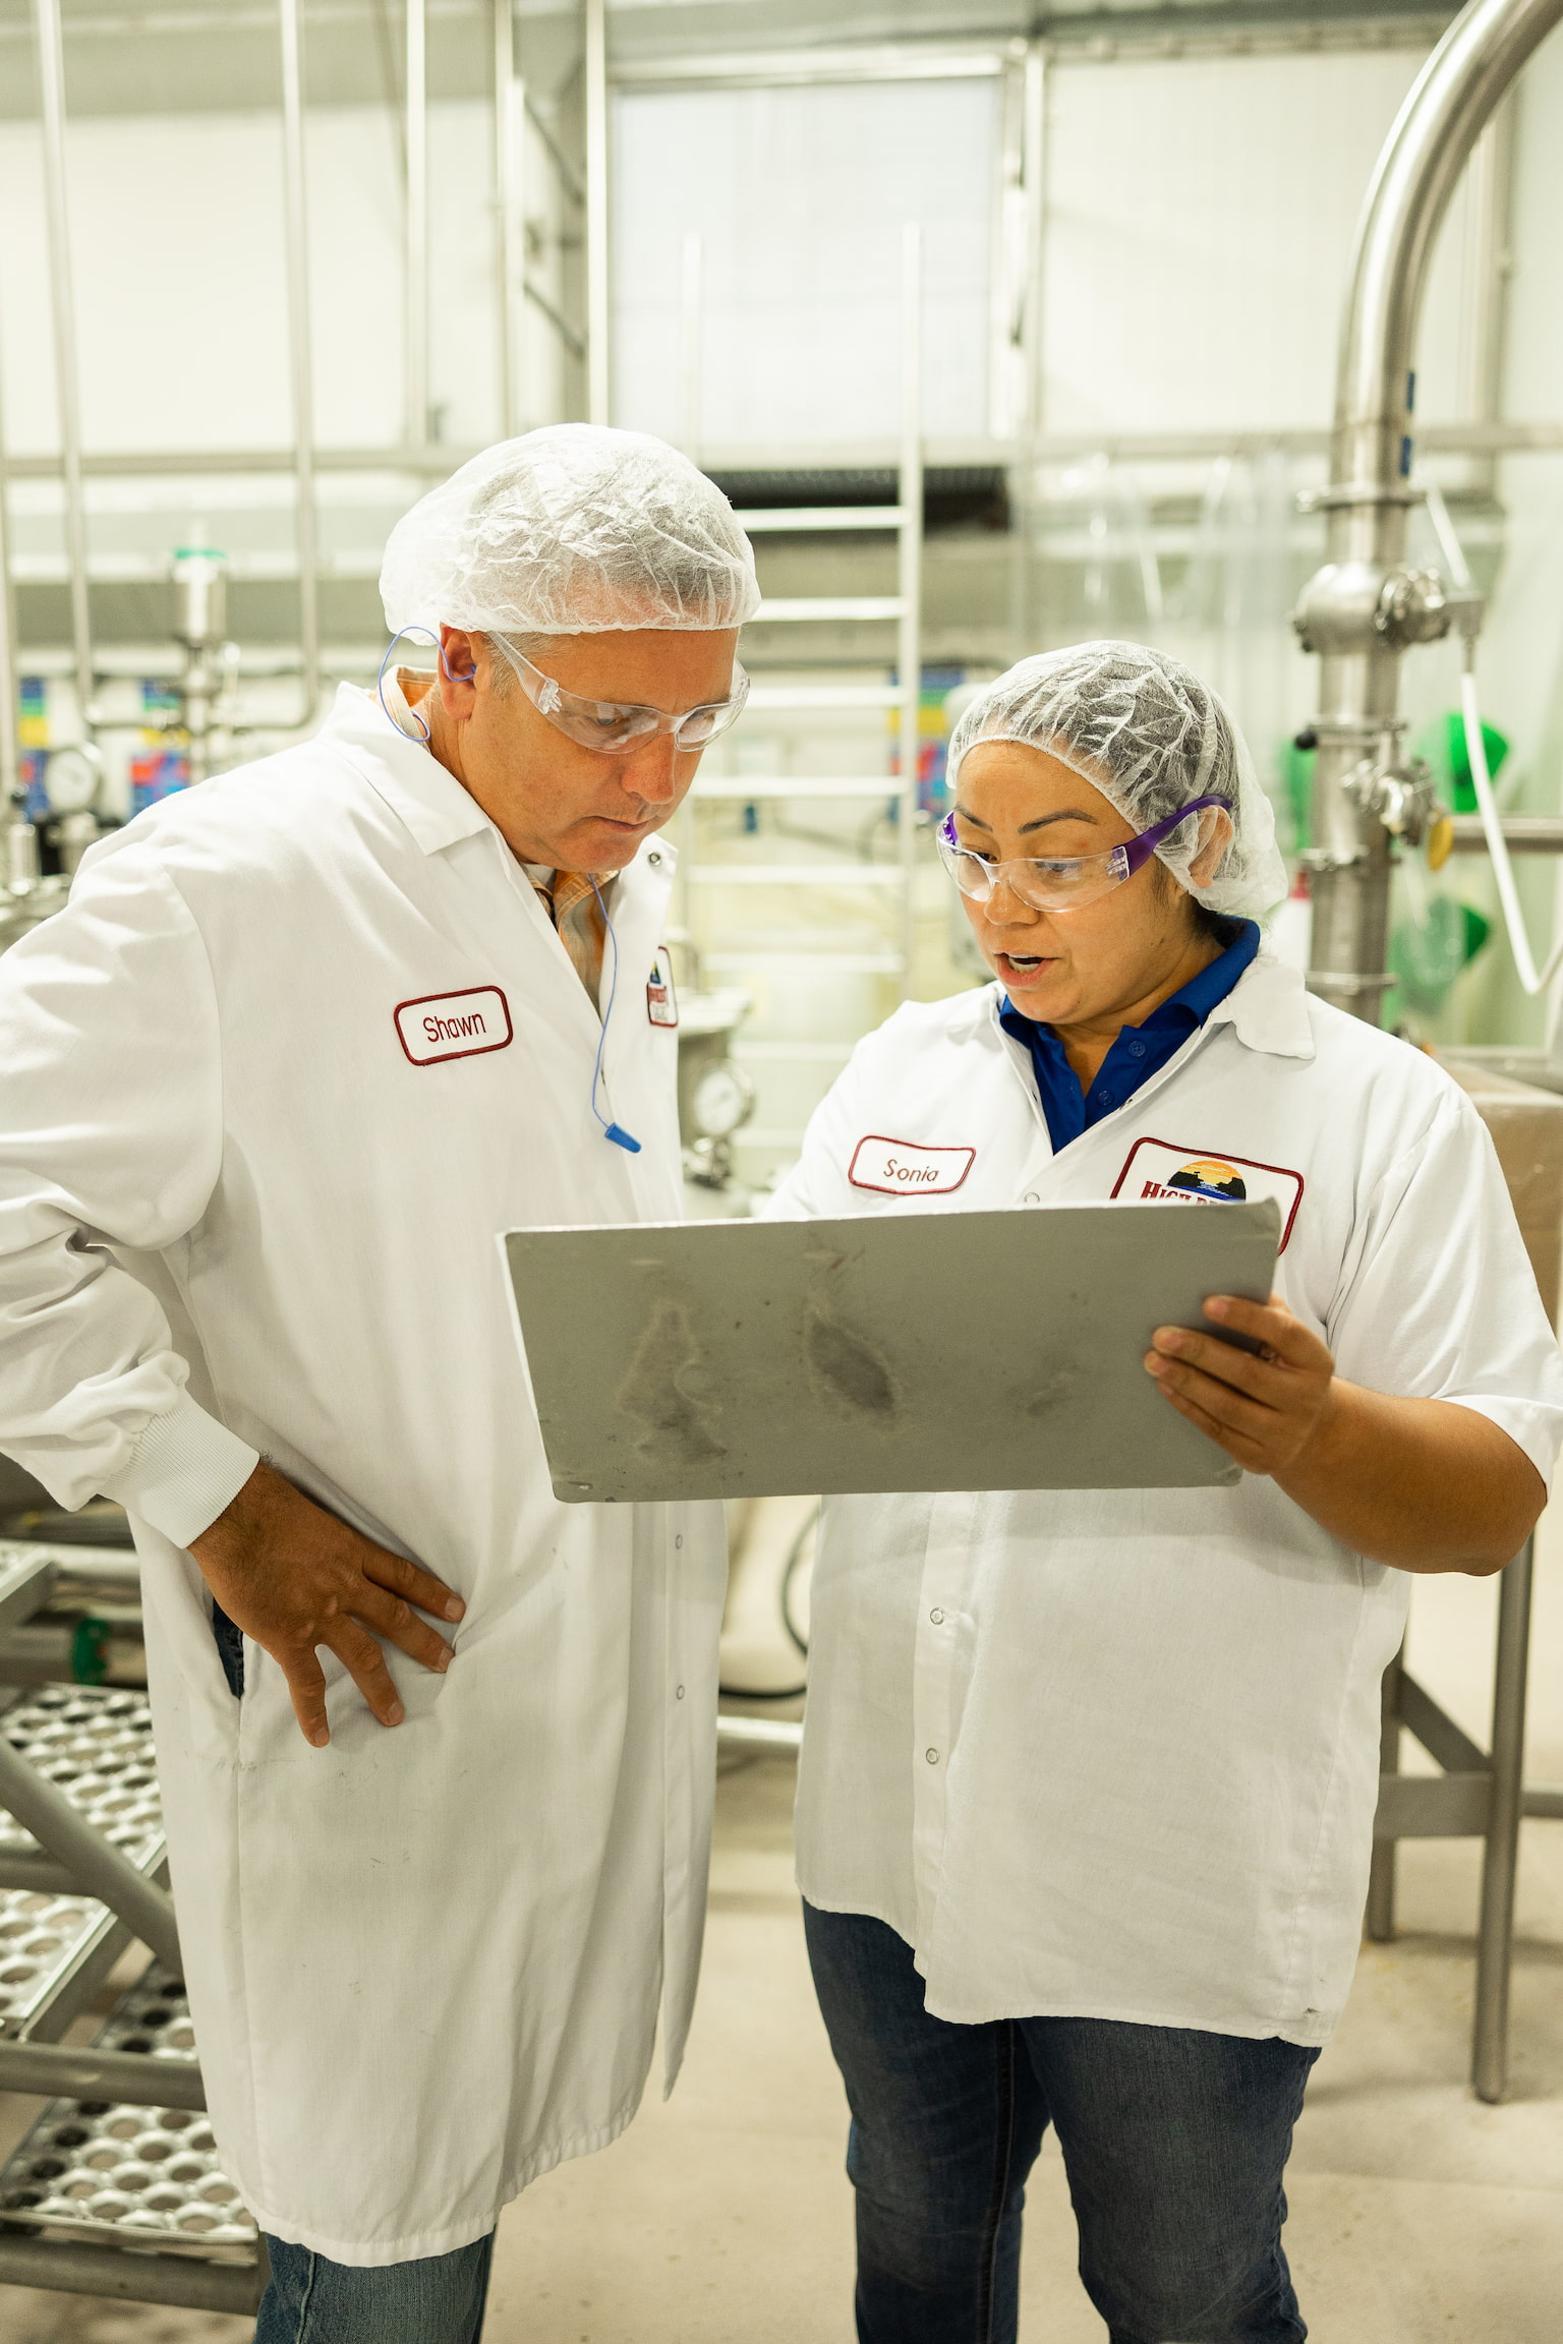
[(186, 1468)]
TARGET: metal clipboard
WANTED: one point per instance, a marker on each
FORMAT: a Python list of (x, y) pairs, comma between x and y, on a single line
[(897, 1351)]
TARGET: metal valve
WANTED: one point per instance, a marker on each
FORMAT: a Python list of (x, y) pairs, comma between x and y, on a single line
[(1412, 608), (1401, 795)]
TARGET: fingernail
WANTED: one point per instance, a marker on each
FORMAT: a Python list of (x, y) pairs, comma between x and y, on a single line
[(395, 1716), (1217, 1308), (320, 1736), (446, 1657), (1170, 1340), (455, 1609), (1155, 1364)]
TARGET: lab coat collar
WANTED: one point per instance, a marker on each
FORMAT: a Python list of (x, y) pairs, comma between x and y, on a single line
[(432, 805), (1267, 1008), (430, 802)]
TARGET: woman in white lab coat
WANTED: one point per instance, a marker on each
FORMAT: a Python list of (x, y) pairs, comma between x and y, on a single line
[(1088, 1779)]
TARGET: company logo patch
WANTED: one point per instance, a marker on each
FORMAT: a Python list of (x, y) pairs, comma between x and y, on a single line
[(1157, 1173), (895, 1167), (454, 1025), (661, 998)]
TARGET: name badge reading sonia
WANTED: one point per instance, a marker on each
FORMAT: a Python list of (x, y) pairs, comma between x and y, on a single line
[(1157, 1173), (454, 1025), (894, 1167)]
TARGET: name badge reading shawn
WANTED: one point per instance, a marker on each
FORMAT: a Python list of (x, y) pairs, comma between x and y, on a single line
[(1157, 1173), (894, 1167), (454, 1025), (661, 998)]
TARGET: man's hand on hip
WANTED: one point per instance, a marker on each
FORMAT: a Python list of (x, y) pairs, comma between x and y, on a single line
[(293, 1578)]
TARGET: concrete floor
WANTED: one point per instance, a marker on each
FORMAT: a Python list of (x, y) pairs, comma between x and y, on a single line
[(1418, 2215)]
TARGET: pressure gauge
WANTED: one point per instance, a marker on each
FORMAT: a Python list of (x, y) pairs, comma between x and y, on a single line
[(71, 778), (723, 1100)]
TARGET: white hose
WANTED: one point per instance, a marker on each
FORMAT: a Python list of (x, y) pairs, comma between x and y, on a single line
[(1532, 980)]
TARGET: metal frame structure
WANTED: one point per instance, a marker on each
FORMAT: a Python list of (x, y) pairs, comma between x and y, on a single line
[(120, 1899), (1362, 611)]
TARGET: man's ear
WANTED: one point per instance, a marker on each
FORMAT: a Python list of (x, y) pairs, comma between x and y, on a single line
[(458, 670)]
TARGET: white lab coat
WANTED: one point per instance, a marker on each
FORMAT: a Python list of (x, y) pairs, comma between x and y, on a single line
[(301, 1046), (1115, 1754)]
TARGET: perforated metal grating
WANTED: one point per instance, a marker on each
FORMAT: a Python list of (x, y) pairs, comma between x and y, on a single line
[(113, 2175), (94, 1744)]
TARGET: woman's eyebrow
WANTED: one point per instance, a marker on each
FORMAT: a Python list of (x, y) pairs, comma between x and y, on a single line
[(1065, 814)]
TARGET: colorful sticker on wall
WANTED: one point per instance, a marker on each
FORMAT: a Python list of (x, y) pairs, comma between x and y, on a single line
[(157, 770), (933, 739)]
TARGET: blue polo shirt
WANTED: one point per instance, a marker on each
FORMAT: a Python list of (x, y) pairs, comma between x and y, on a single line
[(1138, 1053)]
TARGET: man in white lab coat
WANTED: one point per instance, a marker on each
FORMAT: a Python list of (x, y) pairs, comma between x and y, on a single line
[(304, 1042)]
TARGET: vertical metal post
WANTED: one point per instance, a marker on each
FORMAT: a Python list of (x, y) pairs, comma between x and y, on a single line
[(599, 376), (509, 225), (1500, 1862), (1381, 1874), (1492, 166), (909, 649), (302, 361), (691, 337), (417, 257), (10, 643), (51, 75)]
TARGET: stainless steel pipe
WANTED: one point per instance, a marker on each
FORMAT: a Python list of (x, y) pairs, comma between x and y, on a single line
[(509, 222), (417, 259), (62, 307), (1363, 610), (10, 649), (599, 378), (306, 523)]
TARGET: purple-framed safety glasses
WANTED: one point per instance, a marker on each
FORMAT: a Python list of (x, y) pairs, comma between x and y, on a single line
[(1060, 883)]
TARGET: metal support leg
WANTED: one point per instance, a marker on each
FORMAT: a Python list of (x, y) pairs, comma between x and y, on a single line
[(97, 1867), (1381, 1878), (1495, 1942)]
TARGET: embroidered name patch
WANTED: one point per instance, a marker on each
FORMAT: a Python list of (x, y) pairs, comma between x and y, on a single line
[(1157, 1173), (894, 1167), (453, 1025), (661, 999)]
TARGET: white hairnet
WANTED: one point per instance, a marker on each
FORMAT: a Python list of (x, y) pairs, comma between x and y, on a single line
[(1142, 729), (572, 530)]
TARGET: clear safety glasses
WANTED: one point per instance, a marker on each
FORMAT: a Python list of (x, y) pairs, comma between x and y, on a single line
[(1065, 885), (616, 726)]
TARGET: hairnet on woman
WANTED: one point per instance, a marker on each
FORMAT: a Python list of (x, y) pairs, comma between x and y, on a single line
[(1088, 1776)]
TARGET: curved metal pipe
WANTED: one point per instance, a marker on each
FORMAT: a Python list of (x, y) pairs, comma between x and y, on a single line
[(1344, 614), (1445, 113)]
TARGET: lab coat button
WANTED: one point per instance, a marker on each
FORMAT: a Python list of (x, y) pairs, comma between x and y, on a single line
[(680, 1693), (932, 1757), (937, 1617), (678, 1544), (1031, 1197)]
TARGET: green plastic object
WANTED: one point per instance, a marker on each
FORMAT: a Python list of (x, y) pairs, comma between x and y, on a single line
[(1297, 789), (1443, 746), (88, 1663), (1425, 960)]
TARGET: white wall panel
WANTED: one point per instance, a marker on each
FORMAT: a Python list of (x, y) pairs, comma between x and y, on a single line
[(799, 197), (1200, 221)]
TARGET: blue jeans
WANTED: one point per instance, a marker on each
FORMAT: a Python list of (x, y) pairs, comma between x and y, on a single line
[(312, 2300), (1174, 2143)]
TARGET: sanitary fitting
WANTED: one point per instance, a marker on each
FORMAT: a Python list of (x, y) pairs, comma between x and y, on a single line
[(1401, 795), (1361, 606)]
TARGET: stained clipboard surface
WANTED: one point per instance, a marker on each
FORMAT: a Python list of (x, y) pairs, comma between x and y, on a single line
[(904, 1351)]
